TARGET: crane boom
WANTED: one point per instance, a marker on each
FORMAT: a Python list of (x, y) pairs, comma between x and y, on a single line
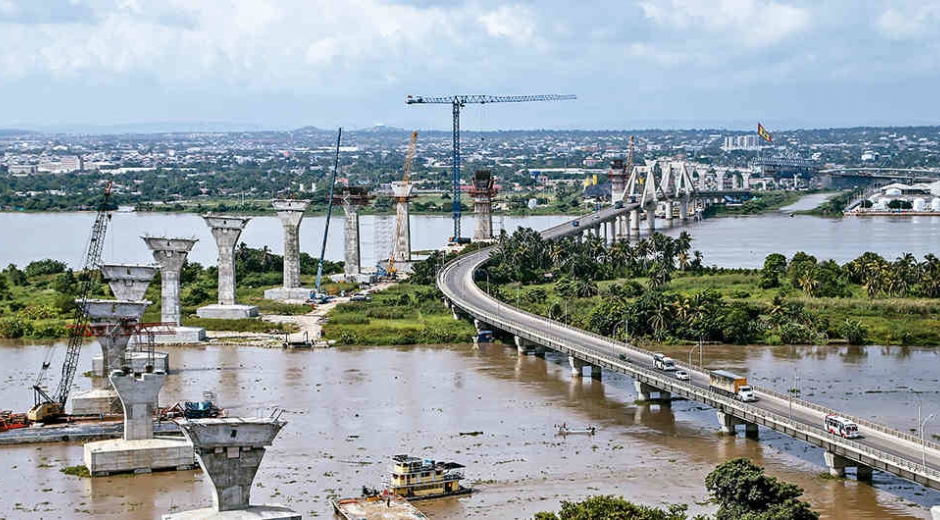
[(329, 213), (458, 102), (46, 406)]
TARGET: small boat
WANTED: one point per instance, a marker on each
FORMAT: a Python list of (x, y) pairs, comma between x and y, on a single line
[(564, 429)]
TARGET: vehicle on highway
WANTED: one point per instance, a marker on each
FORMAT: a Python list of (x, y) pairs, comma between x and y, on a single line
[(575, 223), (597, 217), (731, 385), (664, 363), (360, 297), (618, 204), (682, 375), (842, 427)]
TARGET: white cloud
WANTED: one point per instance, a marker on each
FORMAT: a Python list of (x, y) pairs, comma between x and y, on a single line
[(910, 20), (754, 23), (279, 42)]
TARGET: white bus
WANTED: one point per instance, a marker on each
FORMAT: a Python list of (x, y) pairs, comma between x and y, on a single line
[(842, 427)]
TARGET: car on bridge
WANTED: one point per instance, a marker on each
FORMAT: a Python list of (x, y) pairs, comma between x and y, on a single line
[(682, 375)]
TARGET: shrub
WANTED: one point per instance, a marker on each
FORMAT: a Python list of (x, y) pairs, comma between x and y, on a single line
[(44, 267), (14, 327), (853, 332)]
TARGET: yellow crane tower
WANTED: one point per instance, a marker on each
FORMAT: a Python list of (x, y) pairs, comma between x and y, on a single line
[(406, 178)]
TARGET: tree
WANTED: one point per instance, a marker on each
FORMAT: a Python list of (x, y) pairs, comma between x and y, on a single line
[(743, 491), (607, 507), (853, 331), (775, 266)]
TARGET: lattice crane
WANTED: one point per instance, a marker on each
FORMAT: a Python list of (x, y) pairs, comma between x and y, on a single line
[(51, 406), (458, 102)]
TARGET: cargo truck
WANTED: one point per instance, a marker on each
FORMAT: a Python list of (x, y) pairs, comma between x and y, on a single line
[(731, 385)]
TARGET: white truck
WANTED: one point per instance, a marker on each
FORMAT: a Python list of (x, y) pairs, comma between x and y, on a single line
[(731, 385), (664, 363)]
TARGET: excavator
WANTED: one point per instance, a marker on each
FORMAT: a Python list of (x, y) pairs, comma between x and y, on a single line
[(390, 271), (51, 407)]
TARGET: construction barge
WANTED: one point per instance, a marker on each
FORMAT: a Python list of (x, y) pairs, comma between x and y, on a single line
[(16, 429)]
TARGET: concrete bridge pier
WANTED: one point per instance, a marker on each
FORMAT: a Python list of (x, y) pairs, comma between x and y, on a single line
[(935, 512), (728, 423), (644, 391), (523, 346), (836, 464), (669, 209), (230, 451), (651, 218), (684, 210), (596, 372), (863, 473), (577, 366)]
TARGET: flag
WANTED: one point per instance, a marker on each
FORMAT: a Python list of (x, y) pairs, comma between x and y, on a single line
[(763, 133)]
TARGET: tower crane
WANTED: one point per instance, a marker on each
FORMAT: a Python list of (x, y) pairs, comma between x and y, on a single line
[(458, 102), (406, 178), (47, 406)]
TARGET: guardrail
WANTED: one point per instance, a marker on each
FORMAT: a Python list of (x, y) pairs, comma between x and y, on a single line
[(768, 418)]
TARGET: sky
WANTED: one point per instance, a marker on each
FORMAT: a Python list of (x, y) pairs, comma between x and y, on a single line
[(81, 65)]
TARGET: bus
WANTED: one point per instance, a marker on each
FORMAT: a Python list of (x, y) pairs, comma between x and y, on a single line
[(842, 427)]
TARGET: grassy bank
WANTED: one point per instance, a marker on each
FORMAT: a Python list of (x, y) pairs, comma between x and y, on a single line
[(762, 202), (404, 314), (886, 321)]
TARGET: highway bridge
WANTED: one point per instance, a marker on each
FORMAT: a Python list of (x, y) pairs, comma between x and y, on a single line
[(880, 447), (905, 174)]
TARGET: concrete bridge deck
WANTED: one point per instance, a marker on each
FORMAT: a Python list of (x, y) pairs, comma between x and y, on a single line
[(881, 447)]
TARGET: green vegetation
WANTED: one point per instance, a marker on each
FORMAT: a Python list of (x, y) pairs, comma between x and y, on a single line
[(39, 300), (657, 290), (762, 202), (76, 471), (739, 487), (404, 314)]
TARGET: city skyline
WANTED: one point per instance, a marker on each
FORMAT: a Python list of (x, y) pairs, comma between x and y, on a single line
[(109, 65)]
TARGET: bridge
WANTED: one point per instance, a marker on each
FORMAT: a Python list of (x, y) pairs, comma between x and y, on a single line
[(880, 447)]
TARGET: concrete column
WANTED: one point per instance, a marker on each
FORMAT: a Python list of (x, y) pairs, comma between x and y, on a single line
[(863, 473), (836, 464), (596, 372), (665, 398), (352, 253), (727, 423), (751, 430), (138, 397), (935, 512), (230, 451), (651, 218), (291, 214), (635, 222), (170, 254), (668, 207), (684, 210), (522, 345), (643, 391), (402, 192), (577, 366), (226, 229)]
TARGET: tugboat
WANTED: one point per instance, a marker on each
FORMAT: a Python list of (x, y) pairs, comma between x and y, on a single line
[(419, 479)]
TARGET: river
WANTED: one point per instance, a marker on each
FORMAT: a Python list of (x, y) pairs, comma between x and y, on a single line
[(726, 241), (350, 409)]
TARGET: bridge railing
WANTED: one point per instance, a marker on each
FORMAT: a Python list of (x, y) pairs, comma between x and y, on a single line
[(612, 359)]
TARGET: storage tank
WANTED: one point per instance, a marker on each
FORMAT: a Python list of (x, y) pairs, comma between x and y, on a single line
[(919, 204), (935, 204), (893, 192), (881, 205)]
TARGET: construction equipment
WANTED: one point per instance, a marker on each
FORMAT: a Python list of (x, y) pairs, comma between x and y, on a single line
[(318, 296), (458, 102), (399, 218), (47, 406)]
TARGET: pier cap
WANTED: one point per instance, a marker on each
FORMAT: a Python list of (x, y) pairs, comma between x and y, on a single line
[(226, 221), (225, 432), (114, 310), (290, 204)]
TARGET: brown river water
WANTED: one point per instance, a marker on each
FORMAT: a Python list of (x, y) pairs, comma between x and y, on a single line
[(350, 409)]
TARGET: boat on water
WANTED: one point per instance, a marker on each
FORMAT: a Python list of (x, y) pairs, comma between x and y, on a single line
[(564, 429), (415, 478)]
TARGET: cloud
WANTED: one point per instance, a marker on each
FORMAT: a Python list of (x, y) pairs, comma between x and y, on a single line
[(753, 23), (909, 20)]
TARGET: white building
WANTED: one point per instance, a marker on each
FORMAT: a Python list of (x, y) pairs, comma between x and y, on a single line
[(741, 142)]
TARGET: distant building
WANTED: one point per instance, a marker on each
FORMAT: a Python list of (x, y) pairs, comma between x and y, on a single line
[(20, 169), (741, 142), (65, 164)]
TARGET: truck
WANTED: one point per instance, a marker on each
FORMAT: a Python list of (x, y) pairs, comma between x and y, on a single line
[(731, 385), (664, 363)]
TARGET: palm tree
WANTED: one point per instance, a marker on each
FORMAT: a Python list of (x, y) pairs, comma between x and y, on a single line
[(808, 282)]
